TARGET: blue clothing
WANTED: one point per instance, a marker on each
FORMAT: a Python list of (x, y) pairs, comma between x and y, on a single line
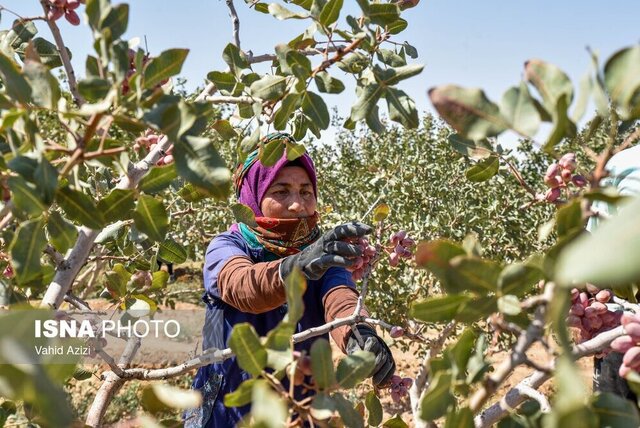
[(216, 380)]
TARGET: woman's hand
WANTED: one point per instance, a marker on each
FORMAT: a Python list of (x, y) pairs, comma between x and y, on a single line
[(329, 250), (385, 365)]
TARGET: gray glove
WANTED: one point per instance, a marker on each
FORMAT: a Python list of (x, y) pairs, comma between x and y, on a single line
[(385, 365), (329, 250)]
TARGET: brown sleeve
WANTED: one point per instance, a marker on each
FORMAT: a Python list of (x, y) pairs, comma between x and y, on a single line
[(251, 287), (340, 302)]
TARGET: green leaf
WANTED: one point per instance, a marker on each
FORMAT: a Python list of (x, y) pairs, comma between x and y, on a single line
[(167, 64), (477, 309), (117, 205), (435, 256), (25, 198), (437, 398), (280, 12), (15, 83), (234, 59), (322, 406), (289, 104), (437, 309), (369, 96), (562, 125), (459, 418), (381, 212), (615, 411), (190, 193), (354, 63), (518, 109), (397, 26), (622, 80), (223, 80), (45, 89), (151, 218), (47, 51), (26, 249), (294, 151), (96, 10), (608, 256), (483, 170), (355, 368), (172, 252), (279, 338), (394, 75), (80, 207), (468, 111), (327, 84), (313, 106), (21, 32), (268, 409), (569, 218), (518, 279), (374, 407), (243, 214), (586, 85), (402, 108), (24, 166), (159, 280), (295, 286), (509, 305), (462, 350), (330, 12), (198, 162), (62, 233), (395, 422), (158, 397), (269, 87), (550, 81), (94, 89), (322, 365), (472, 274), (391, 58), (350, 416), (158, 178), (245, 344), (224, 129), (383, 13), (241, 396), (117, 20), (410, 50), (473, 149), (271, 152)]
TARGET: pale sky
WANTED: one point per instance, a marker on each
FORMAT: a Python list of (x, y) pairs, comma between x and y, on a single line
[(467, 42)]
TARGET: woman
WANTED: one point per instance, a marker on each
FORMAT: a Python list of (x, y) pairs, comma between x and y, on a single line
[(244, 270)]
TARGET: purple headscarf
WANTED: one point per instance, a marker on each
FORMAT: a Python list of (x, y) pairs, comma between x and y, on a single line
[(253, 178)]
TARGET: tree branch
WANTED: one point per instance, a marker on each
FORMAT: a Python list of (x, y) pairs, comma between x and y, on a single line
[(235, 21), (65, 275), (222, 99), (518, 394), (64, 55)]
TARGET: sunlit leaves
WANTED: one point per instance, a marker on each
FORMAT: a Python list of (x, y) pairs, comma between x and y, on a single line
[(484, 170), (608, 256), (382, 13), (172, 252), (437, 398), (518, 278), (328, 84), (151, 218), (15, 83), (45, 88), (268, 409), (354, 368), (269, 87), (518, 109), (198, 162), (622, 80), (468, 111), (374, 407), (271, 152), (402, 108), (117, 205), (167, 64), (381, 212), (245, 343), (314, 106), (550, 81), (80, 207), (280, 12), (295, 286), (117, 20), (369, 96), (26, 249), (158, 397), (330, 12), (62, 233), (241, 396), (438, 308), (322, 365)]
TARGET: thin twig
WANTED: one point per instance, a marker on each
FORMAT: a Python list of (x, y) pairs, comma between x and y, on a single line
[(235, 21)]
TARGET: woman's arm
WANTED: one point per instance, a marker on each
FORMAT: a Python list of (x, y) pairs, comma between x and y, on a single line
[(251, 287), (340, 302)]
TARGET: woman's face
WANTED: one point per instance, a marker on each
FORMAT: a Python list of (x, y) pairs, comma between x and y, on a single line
[(290, 195)]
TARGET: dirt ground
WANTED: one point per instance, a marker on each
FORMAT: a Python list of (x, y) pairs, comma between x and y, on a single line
[(408, 364)]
